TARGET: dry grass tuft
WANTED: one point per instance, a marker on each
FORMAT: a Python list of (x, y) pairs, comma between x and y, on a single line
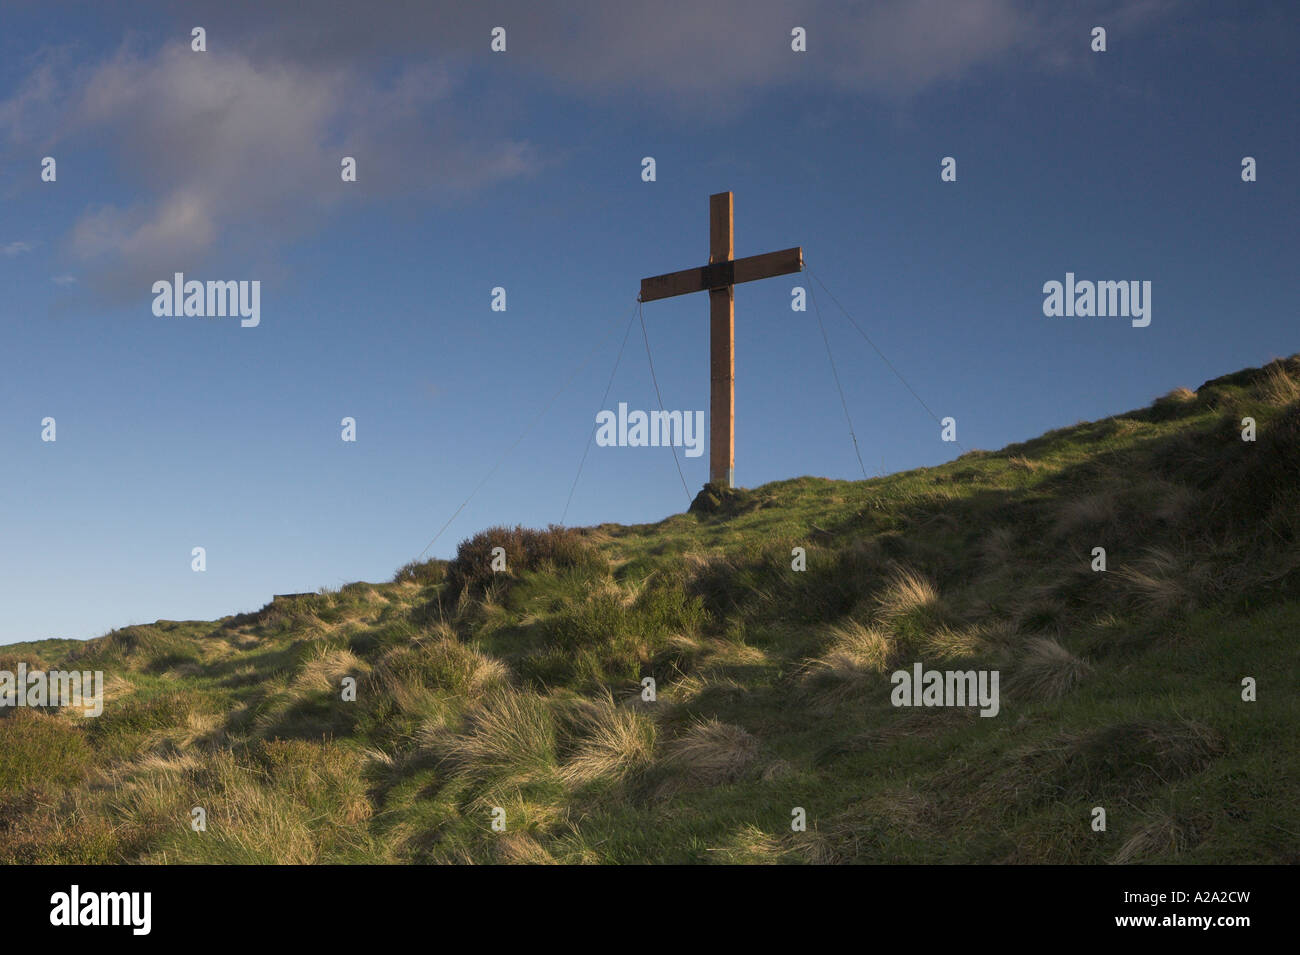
[(997, 547), (905, 591), (708, 682), (285, 801), (1085, 512), (1163, 834), (868, 647), (1048, 670), (325, 669), (1279, 388), (1018, 462), (857, 656), (1119, 761), (710, 753), (194, 727), (750, 845), (413, 676), (1167, 501), (509, 735), (520, 848), (1162, 582), (998, 634), (945, 643), (615, 742)]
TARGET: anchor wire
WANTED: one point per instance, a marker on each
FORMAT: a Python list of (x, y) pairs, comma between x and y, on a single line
[(888, 363), (655, 379), (506, 454), (609, 387), (838, 387)]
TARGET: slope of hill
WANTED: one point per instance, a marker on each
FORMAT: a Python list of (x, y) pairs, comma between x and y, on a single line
[(519, 696)]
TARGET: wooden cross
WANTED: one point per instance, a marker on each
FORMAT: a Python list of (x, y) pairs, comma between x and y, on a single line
[(720, 278)]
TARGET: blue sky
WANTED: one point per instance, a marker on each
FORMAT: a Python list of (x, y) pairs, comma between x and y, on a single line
[(523, 170)]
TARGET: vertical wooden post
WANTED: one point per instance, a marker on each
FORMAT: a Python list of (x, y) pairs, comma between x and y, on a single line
[(722, 346), (719, 278)]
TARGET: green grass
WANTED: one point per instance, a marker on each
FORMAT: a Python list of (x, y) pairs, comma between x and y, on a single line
[(522, 695)]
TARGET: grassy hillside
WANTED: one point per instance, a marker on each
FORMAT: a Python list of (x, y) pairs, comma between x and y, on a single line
[(522, 690)]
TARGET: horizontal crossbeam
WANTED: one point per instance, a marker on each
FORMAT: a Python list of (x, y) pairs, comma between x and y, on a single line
[(722, 274)]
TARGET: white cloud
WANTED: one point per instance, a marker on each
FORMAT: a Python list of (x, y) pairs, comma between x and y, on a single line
[(237, 150), (16, 248), (208, 146), (721, 51)]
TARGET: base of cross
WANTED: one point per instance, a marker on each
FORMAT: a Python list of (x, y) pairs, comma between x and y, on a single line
[(717, 498), (719, 278)]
